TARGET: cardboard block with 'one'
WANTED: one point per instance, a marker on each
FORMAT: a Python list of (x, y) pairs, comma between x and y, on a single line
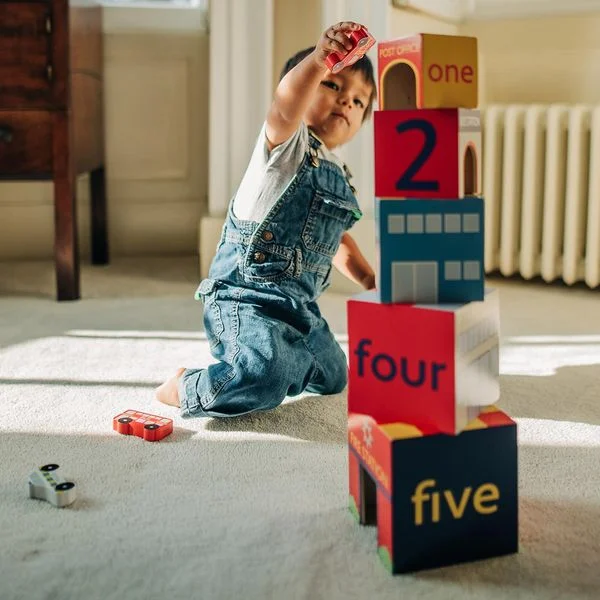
[(436, 499), (432, 365), (430, 251), (428, 71), (427, 153)]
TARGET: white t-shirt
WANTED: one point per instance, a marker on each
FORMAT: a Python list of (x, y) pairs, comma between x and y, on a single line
[(269, 173)]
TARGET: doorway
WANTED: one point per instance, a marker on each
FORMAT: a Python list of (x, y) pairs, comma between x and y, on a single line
[(470, 171), (414, 282), (368, 498), (400, 87)]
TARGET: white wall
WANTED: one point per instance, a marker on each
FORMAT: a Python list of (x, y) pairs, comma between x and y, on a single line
[(404, 22), (291, 33), (157, 140), (157, 112), (156, 105), (540, 59)]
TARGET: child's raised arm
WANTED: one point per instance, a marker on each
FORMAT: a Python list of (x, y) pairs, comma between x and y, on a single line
[(296, 90), (350, 261)]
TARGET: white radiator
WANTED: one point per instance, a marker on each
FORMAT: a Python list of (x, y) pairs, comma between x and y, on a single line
[(541, 185)]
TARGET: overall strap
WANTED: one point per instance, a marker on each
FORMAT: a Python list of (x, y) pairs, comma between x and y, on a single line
[(315, 143), (313, 139)]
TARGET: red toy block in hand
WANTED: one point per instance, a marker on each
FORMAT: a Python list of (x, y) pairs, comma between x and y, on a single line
[(152, 428), (361, 40)]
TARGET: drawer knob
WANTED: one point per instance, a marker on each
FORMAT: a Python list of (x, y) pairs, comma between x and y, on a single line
[(6, 134)]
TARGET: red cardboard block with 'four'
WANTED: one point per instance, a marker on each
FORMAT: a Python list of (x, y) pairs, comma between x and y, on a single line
[(427, 153), (434, 366)]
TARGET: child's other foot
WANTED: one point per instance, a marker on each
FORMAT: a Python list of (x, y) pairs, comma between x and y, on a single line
[(168, 392)]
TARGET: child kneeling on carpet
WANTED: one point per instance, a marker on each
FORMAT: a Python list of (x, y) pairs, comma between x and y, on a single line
[(285, 227)]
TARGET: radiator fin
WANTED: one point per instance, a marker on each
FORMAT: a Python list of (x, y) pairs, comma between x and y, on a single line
[(541, 184)]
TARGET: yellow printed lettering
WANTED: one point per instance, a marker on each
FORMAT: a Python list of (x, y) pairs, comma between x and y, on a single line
[(484, 501), (457, 511), (419, 498), (488, 492), (435, 507)]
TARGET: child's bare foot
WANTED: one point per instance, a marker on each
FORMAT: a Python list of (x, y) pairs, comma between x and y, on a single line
[(168, 392)]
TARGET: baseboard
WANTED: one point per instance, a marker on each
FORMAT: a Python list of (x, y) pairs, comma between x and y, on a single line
[(363, 232)]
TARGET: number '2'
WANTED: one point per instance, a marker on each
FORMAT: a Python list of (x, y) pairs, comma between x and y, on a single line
[(406, 182)]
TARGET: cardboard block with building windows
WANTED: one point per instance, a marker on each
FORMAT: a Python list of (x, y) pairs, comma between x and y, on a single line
[(429, 250), (432, 462), (427, 153), (431, 365), (428, 71), (436, 499)]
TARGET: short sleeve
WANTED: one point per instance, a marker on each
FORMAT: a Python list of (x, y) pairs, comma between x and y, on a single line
[(292, 149), (269, 173)]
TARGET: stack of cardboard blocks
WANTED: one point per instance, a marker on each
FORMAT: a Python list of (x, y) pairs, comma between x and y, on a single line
[(432, 461)]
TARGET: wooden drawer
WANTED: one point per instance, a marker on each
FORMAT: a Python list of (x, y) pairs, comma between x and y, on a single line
[(25, 144), (25, 54)]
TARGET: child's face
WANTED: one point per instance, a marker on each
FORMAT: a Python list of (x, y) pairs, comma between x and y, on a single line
[(337, 110)]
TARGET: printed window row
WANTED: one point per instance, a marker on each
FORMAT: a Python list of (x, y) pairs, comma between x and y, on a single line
[(468, 270), (434, 223)]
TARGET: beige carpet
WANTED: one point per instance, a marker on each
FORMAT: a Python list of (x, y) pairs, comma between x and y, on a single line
[(255, 508)]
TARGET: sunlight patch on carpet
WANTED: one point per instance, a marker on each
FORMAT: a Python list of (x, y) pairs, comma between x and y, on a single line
[(123, 333), (543, 355), (546, 432)]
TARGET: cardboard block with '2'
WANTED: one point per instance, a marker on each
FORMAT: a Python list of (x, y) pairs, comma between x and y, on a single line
[(427, 153)]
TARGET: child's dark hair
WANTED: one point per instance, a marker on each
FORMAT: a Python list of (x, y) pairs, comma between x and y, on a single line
[(363, 65)]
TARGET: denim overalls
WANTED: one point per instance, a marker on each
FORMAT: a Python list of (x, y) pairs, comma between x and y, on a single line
[(260, 312)]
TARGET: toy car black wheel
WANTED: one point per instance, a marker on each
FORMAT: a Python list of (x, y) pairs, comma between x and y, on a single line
[(125, 420), (151, 426), (63, 487), (50, 467)]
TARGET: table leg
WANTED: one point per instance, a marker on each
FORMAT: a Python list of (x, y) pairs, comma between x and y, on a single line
[(99, 217), (66, 248)]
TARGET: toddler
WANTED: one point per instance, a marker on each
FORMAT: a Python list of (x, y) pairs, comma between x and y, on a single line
[(285, 227)]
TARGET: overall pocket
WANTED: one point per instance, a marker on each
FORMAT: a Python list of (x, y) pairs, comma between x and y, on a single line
[(213, 323), (328, 219), (263, 264)]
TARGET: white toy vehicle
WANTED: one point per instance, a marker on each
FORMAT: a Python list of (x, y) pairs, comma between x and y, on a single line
[(46, 484)]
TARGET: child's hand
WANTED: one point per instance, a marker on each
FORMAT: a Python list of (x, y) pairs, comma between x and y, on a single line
[(368, 282), (335, 39)]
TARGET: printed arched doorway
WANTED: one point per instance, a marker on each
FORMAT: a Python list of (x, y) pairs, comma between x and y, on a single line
[(399, 87), (470, 171)]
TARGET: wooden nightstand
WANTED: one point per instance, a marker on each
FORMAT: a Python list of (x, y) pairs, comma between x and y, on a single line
[(51, 116)]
